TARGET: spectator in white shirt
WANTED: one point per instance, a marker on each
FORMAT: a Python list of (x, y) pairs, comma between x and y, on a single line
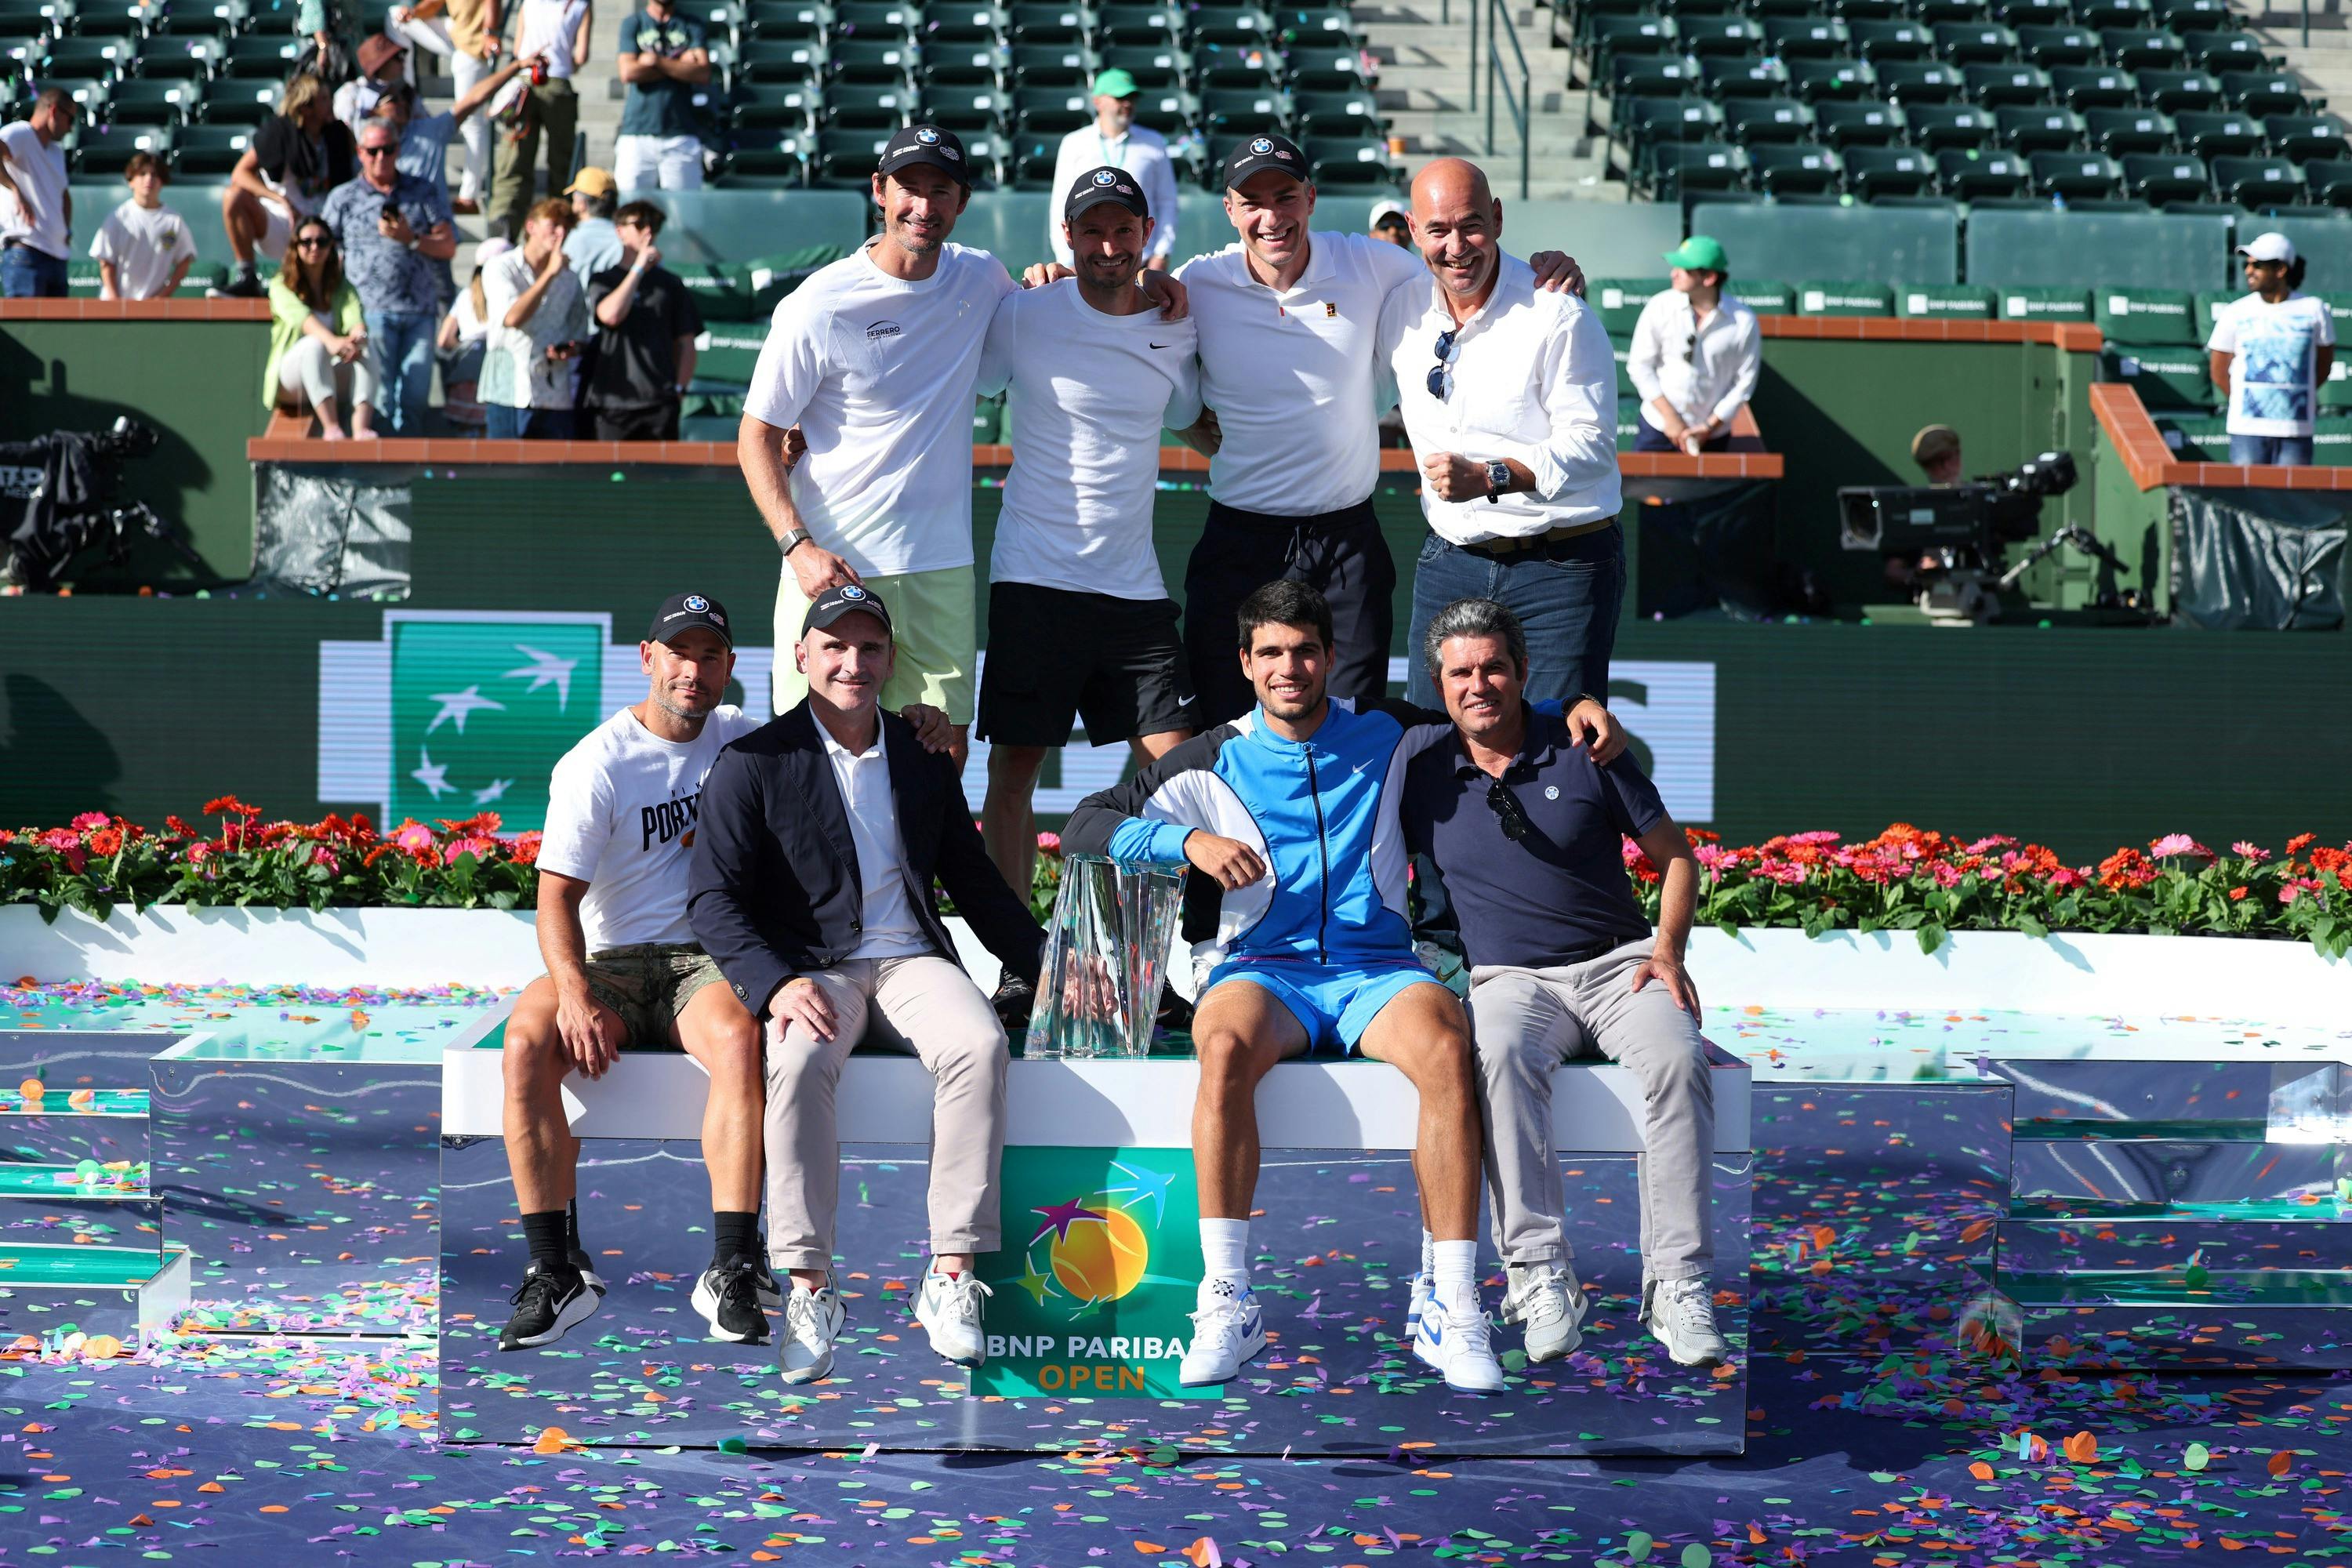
[(2271, 353), (1115, 140), (384, 70), (1510, 394), (1695, 354), (36, 207), (143, 248), (537, 311)]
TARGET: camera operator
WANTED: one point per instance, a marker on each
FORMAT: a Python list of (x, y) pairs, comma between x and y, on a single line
[(1936, 451)]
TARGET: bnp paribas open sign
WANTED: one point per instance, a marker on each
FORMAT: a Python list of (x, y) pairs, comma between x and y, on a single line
[(1095, 1283)]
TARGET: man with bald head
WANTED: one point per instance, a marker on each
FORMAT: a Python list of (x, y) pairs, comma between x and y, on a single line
[(1509, 395)]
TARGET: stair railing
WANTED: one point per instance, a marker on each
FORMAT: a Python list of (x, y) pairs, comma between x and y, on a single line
[(1500, 29)]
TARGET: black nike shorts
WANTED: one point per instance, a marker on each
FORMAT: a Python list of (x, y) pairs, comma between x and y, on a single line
[(1056, 656)]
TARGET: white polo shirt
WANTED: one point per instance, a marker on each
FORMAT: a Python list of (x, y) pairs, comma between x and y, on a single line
[(890, 927), (1530, 377), (1143, 154), (1291, 375), (1705, 372), (1087, 395)]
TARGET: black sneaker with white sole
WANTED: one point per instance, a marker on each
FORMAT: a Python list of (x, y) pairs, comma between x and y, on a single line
[(586, 1269), (772, 1295), (547, 1303), (728, 1297)]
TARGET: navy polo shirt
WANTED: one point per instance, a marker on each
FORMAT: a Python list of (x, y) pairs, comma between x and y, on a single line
[(1561, 886)]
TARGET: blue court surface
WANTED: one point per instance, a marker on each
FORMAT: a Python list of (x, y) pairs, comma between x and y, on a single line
[(297, 1416)]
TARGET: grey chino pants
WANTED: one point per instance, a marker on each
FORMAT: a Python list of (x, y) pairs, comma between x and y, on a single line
[(1529, 1021), (925, 1006)]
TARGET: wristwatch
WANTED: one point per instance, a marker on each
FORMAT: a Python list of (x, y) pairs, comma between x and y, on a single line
[(1498, 480), (792, 541)]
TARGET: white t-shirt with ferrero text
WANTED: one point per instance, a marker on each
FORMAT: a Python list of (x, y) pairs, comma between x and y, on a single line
[(621, 812)]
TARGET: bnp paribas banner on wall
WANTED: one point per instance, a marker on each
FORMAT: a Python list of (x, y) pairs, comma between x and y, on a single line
[(1095, 1283), (453, 712)]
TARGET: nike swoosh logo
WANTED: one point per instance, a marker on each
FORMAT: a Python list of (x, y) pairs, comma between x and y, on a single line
[(1163, 345)]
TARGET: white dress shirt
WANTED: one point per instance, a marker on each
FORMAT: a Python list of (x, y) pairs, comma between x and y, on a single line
[(1144, 155), (890, 927), (1530, 378), (1705, 372)]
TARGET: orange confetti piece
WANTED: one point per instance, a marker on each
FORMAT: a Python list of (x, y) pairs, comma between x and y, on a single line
[(212, 1486), (1149, 1548), (273, 1508), (1203, 1554), (551, 1440), (2280, 1463), (2082, 1449), (1982, 1470)]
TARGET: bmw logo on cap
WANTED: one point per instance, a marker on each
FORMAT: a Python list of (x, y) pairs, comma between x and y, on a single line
[(927, 137), (697, 602), (852, 591), (1106, 177), (1261, 146)]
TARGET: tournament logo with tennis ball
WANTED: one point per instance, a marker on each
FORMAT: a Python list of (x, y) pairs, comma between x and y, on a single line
[(1096, 1248)]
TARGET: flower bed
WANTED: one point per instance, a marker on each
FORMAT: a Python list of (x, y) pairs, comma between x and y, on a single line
[(1904, 879)]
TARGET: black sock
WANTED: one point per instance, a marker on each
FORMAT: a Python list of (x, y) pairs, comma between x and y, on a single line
[(545, 1234), (572, 1224), (734, 1234)]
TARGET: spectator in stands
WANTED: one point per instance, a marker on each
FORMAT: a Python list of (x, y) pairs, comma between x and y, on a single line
[(319, 355), (556, 34), (143, 248), (329, 60), (424, 138), (818, 840), (36, 213), (645, 326), (1081, 623), (1937, 450), (538, 320), (1695, 356), (663, 59), (2272, 351), (383, 69), (1292, 428), (464, 341), (393, 229), (596, 242), (1510, 396), (1393, 221), (1116, 141), (466, 34), (1525, 831), (297, 156)]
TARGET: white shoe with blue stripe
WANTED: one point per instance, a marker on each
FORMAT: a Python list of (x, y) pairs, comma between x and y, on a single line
[(1226, 1333), (1460, 1347)]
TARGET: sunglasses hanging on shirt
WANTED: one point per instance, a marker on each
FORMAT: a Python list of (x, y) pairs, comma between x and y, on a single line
[(1438, 384)]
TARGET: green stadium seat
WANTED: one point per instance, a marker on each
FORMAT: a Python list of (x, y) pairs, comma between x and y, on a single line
[(1968, 174), (1657, 76), (1754, 121), (99, 151), (1330, 25), (1783, 170), (949, 25), (2161, 177), (887, 20), (2077, 176), (260, 56), (2224, 133), (1792, 37), (237, 100), (780, 60), (2023, 13), (1845, 297), (2038, 304), (2196, 437), (1063, 24), (1635, 121), (728, 351), (2331, 442), (112, 19), (100, 59), (2179, 14), (1629, 420), (2256, 182), (91, 93), (2264, 92), (1994, 85), (1705, 36), (1030, 159), (1944, 302), (2146, 315), (2085, 88), (1321, 68), (962, 107), (1876, 174), (1863, 123), (1912, 82), (1232, 26), (2114, 12), (1765, 296), (2329, 184), (2058, 46), (870, 60), (1940, 127), (1620, 300), (1339, 113), (139, 101), (1231, 109), (35, 18), (2141, 48), (1606, 38), (1895, 39), (784, 21), (1727, 76), (1051, 110), (865, 106), (2032, 128), (2173, 376), (208, 151), (2118, 132), (1968, 43), (1935, 13), (178, 58), (2305, 138), (1675, 168), (1826, 80), (721, 20), (2225, 50), (1350, 161), (2179, 91)]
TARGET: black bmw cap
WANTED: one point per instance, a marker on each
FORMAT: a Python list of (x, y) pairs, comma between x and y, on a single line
[(843, 599), (680, 611), (1259, 153), (935, 145), (1096, 186)]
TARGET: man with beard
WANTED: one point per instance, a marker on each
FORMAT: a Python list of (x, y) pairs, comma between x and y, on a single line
[(1081, 623)]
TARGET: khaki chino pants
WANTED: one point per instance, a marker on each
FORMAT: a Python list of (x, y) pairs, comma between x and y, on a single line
[(924, 1006)]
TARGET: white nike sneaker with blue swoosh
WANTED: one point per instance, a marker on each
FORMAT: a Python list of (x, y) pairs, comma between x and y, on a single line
[(1459, 1346), (1226, 1333)]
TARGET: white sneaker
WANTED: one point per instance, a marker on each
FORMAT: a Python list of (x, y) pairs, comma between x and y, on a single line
[(1680, 1315), (1225, 1333), (949, 1311), (813, 1319), (1460, 1348), (1546, 1298)]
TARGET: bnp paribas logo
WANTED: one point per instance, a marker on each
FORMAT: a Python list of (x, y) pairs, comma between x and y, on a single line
[(455, 712)]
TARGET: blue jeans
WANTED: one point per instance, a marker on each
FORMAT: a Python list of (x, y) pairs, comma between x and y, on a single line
[(2287, 451), (1566, 595), (527, 424), (29, 274), (403, 352)]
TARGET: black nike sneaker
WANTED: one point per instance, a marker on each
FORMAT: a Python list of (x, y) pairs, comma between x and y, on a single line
[(728, 1297), (586, 1268), (547, 1303), (772, 1295)]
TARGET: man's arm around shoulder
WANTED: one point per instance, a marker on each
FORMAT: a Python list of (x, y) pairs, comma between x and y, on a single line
[(720, 903)]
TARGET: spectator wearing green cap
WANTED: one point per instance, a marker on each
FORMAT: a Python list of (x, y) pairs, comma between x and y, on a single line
[(1695, 354), (1115, 140)]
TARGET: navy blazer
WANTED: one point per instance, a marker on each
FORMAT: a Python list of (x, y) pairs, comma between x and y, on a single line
[(775, 891)]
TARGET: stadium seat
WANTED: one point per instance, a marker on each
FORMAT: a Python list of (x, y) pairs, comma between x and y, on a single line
[(780, 60), (100, 151), (1863, 122), (1827, 79), (1874, 173), (2264, 92), (1705, 36), (2114, 12), (847, 159), (1994, 85), (1065, 26), (1937, 126), (1792, 37), (783, 21), (1967, 175), (1910, 82), (1845, 298), (721, 20), (102, 60), (208, 150), (1784, 169), (2306, 136), (1944, 302), (2161, 177), (1320, 68), (1343, 161), (2257, 181), (962, 107), (1879, 42), (139, 101), (2077, 176), (2225, 50), (110, 19), (870, 60), (2329, 184), (2219, 133), (1334, 114), (2058, 46), (1238, 109), (767, 105), (1053, 111), (1606, 38), (2141, 48), (2183, 16), (177, 58), (888, 21), (1971, 42), (1332, 27), (1221, 65), (259, 55), (2196, 437), (2208, 302), (1635, 122), (2038, 128), (1674, 168), (2118, 132), (2085, 88), (2173, 376), (2044, 304), (2145, 315), (1654, 76), (1752, 121)]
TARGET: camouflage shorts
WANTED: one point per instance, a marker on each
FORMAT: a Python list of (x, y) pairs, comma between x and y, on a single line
[(647, 987)]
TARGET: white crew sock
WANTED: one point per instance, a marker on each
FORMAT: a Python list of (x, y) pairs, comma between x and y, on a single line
[(1428, 1255), (1454, 1275), (1224, 1258)]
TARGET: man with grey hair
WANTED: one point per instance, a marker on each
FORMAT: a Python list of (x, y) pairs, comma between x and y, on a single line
[(1528, 880), (1509, 397)]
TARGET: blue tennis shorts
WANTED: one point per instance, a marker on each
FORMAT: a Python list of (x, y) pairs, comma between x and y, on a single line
[(1334, 1003)]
